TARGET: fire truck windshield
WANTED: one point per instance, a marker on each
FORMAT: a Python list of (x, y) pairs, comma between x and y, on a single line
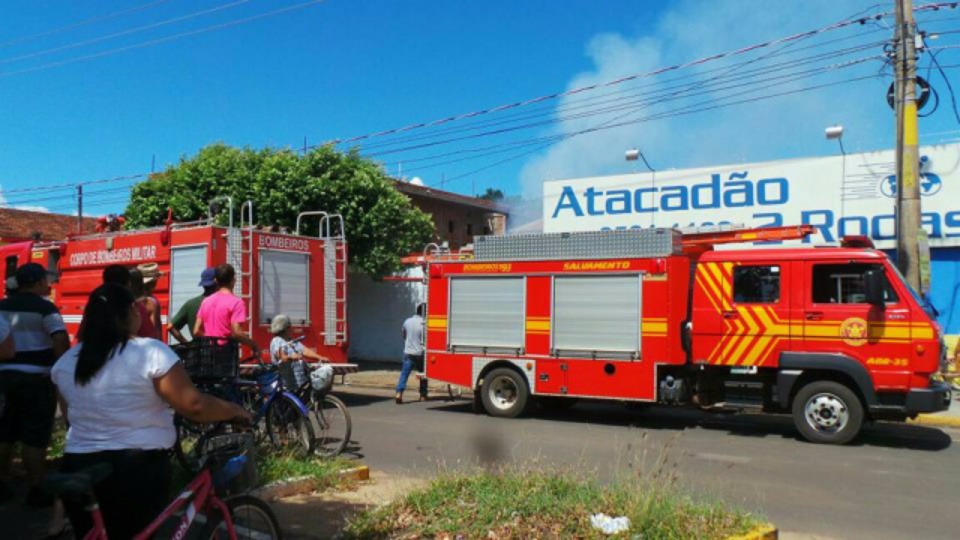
[(920, 299)]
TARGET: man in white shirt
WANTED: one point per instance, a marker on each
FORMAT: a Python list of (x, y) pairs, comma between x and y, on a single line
[(413, 349)]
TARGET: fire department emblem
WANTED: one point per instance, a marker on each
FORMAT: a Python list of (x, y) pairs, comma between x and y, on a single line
[(854, 331)]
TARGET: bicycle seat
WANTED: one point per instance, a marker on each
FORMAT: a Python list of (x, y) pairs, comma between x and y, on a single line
[(78, 483)]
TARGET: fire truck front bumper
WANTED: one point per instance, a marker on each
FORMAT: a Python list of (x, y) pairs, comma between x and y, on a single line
[(935, 398)]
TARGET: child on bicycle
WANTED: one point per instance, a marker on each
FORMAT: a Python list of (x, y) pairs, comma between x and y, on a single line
[(285, 348)]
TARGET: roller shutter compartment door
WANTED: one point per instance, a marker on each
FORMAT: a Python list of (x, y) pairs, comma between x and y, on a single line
[(597, 314), (186, 265), (284, 286), (487, 312)]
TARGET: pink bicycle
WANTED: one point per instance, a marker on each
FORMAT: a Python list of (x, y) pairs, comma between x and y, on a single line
[(229, 467)]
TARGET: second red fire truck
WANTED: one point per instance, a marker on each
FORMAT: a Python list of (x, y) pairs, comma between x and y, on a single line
[(302, 276), (832, 335)]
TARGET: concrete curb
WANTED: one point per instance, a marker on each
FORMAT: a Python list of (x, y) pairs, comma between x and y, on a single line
[(307, 484), (760, 532), (936, 420)]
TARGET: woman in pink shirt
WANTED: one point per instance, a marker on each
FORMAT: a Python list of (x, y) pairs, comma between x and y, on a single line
[(222, 313)]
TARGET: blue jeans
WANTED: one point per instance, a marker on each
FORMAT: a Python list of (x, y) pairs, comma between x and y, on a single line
[(409, 363)]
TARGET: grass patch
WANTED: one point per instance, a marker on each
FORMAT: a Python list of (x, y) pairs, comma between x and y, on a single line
[(58, 440), (273, 466), (544, 504)]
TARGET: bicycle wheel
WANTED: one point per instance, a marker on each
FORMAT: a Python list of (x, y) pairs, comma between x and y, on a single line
[(333, 425), (288, 428), (252, 518)]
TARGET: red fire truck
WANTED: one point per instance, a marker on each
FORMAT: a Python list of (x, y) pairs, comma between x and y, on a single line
[(277, 272), (832, 335)]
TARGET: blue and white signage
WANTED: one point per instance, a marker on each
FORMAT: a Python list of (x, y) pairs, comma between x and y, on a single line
[(838, 195)]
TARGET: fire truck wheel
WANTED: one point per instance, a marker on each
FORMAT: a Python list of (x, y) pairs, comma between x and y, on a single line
[(505, 393), (827, 412)]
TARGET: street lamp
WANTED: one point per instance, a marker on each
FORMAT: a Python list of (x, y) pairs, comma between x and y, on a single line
[(836, 133)]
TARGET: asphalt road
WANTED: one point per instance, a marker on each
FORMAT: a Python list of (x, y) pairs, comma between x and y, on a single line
[(897, 481)]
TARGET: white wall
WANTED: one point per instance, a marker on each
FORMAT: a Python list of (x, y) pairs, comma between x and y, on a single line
[(376, 311)]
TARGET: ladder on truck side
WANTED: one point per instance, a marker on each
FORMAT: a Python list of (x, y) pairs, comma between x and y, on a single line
[(240, 253), (333, 234)]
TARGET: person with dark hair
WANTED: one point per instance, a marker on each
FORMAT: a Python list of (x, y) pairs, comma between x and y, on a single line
[(117, 391), (117, 274), (187, 314), (412, 353), (39, 337), (222, 313)]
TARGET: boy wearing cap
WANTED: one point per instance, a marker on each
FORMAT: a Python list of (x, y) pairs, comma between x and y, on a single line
[(40, 338), (187, 314)]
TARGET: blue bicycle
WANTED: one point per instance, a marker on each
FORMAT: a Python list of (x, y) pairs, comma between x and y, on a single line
[(280, 416)]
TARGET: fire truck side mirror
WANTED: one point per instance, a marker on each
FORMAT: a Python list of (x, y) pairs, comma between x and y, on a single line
[(874, 283)]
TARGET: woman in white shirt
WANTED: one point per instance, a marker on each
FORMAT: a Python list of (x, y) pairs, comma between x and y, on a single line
[(117, 391)]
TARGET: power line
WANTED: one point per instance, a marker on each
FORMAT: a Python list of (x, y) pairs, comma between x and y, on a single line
[(701, 87), (627, 94), (70, 193), (121, 33), (637, 76), (752, 87), (680, 112), (75, 184), (80, 24), (150, 43)]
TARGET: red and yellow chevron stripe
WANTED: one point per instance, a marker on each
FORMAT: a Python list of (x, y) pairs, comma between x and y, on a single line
[(750, 337)]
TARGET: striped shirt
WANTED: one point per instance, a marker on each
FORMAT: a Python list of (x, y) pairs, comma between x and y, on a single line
[(34, 321)]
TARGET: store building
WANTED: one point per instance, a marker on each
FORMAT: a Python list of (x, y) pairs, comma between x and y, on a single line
[(839, 195)]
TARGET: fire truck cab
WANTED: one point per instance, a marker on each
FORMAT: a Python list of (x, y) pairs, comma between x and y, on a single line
[(832, 335)]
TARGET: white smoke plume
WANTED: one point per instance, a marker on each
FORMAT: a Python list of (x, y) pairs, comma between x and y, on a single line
[(790, 126)]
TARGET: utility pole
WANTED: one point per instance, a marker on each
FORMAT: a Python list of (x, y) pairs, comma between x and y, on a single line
[(908, 154), (79, 208)]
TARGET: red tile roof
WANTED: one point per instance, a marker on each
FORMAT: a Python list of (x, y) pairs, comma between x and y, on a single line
[(414, 190), (20, 225)]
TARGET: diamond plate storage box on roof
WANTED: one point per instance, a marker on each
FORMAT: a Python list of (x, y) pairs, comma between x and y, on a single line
[(580, 245)]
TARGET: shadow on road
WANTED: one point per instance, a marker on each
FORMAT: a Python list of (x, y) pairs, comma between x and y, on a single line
[(884, 435), (357, 399)]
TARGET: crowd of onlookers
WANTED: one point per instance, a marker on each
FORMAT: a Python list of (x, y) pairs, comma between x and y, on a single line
[(116, 383)]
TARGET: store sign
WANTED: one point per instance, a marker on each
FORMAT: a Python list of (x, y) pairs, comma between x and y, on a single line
[(855, 195), (100, 257), (289, 243)]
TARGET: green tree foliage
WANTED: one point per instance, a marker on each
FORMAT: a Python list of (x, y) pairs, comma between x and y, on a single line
[(381, 223)]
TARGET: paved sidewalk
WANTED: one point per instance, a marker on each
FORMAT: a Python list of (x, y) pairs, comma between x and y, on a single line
[(387, 378)]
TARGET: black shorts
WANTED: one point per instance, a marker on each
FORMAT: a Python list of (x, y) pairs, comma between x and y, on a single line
[(29, 405), (131, 497)]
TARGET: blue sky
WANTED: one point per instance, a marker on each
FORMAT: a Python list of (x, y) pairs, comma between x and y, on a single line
[(347, 67)]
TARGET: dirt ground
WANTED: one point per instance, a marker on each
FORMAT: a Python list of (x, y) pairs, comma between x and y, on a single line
[(323, 515)]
